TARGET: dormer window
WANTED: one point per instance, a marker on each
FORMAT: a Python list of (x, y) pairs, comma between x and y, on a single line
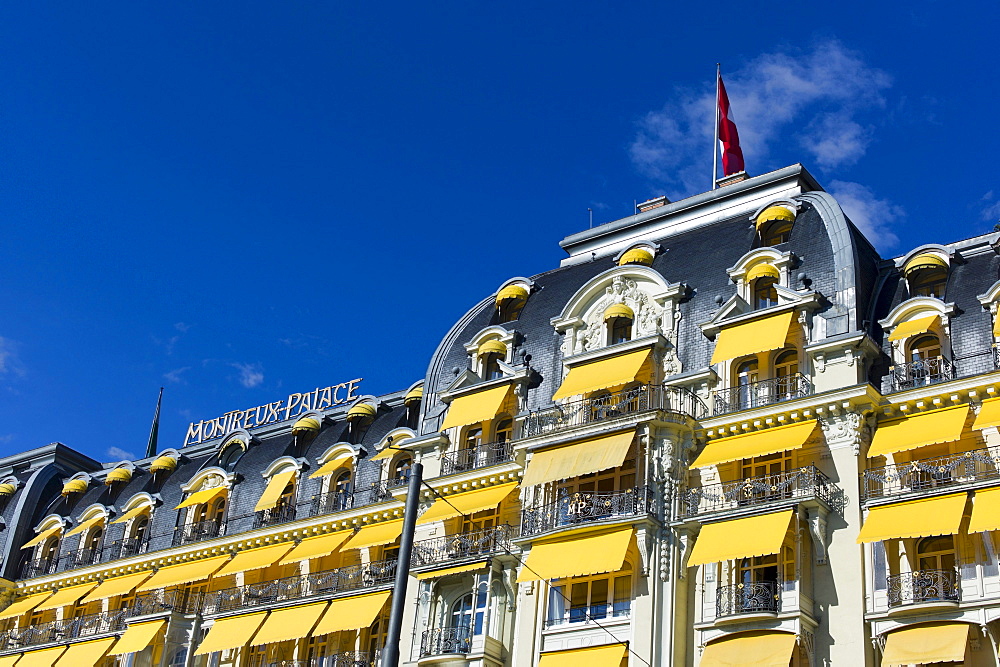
[(926, 275), (230, 455), (774, 224), (764, 293), (509, 302), (619, 319), (491, 353), (925, 347)]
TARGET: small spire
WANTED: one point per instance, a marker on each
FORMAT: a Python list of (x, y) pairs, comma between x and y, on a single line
[(154, 432)]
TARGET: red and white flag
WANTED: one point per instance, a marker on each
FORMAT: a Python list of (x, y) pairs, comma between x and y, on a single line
[(729, 138)]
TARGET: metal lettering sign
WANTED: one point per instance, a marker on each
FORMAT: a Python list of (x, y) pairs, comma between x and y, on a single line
[(295, 404)]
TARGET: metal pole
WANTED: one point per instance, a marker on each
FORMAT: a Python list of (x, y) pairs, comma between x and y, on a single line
[(715, 144), (390, 655)]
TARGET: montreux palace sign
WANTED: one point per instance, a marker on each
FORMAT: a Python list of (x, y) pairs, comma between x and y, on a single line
[(294, 405)]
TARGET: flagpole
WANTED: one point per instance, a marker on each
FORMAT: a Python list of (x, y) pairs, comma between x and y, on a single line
[(715, 143)]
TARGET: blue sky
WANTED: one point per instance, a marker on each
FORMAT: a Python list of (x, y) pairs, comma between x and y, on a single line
[(241, 200)]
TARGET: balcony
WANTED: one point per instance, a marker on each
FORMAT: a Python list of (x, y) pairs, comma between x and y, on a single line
[(342, 659), (924, 475), (582, 508), (760, 597), (328, 582), (483, 456), (594, 613), (274, 516), (679, 404), (84, 557), (923, 586), (336, 501), (761, 393), (446, 641), (63, 631), (39, 568), (920, 373), (794, 485), (462, 546), (162, 601), (130, 547), (198, 531)]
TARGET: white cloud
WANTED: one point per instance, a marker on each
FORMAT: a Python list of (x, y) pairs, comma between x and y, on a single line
[(175, 375), (251, 375), (183, 328), (991, 208), (10, 362), (873, 216), (119, 454), (819, 95)]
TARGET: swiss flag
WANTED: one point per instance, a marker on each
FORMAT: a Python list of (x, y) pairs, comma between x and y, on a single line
[(729, 138)]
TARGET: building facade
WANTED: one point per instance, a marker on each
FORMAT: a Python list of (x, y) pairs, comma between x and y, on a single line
[(722, 431)]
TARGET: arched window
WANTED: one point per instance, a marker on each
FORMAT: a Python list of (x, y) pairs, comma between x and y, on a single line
[(230, 455), (461, 612), (745, 381), (786, 371), (140, 528), (925, 347), (135, 541), (491, 366), (620, 330), (764, 293), (504, 431), (776, 232), (509, 302), (92, 546), (401, 469), (936, 553), (49, 552), (929, 282)]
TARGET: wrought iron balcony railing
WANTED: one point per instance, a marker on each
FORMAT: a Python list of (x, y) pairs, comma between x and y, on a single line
[(761, 393), (327, 503), (39, 568), (448, 548), (472, 458), (162, 601), (63, 631), (923, 586), (799, 483), (197, 531), (920, 373), (446, 641), (336, 501), (328, 582), (83, 557), (581, 508), (342, 659), (620, 608), (274, 516), (748, 598), (932, 473), (676, 401), (132, 546)]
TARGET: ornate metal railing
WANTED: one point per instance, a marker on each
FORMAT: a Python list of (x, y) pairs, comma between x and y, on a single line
[(923, 586), (62, 631), (274, 516), (932, 473), (83, 557), (342, 659), (197, 531), (761, 393), (748, 598), (675, 401), (445, 641), (327, 503), (462, 545), (130, 547), (482, 456), (39, 568), (620, 608), (799, 483), (920, 373), (162, 601), (328, 582), (578, 508)]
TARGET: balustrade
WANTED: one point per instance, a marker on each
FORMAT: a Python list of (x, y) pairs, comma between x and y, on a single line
[(920, 373), (63, 631), (923, 586), (483, 456), (805, 482), (197, 531), (932, 473), (761, 393), (582, 507), (748, 598), (462, 545), (274, 516), (446, 641)]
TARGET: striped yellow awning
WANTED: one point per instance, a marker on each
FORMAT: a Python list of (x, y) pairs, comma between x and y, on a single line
[(351, 613), (232, 632), (591, 656), (375, 535), (924, 260), (758, 443), (137, 637), (316, 547), (762, 648), (985, 511), (926, 517), (85, 653), (132, 513), (989, 413), (44, 658), (289, 623), (926, 643), (762, 270), (753, 337), (582, 458), (9, 660), (578, 555), (466, 503), (772, 213), (84, 526), (479, 406), (185, 573), (275, 487), (65, 596), (760, 535), (606, 373), (253, 559), (458, 569), (332, 465), (24, 605), (915, 327), (203, 496), (42, 536), (116, 586), (919, 430)]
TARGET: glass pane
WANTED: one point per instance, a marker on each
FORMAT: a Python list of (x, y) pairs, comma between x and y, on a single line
[(623, 595), (578, 603), (557, 605), (599, 598)]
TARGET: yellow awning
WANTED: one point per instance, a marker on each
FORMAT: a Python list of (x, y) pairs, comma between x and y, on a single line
[(85, 653), (914, 327), (24, 605), (275, 487), (925, 643), (86, 525), (924, 260), (118, 475), (185, 573), (316, 547), (116, 586), (996, 326), (605, 373), (203, 496), (762, 270), (45, 658), (592, 656), (477, 407), (577, 555), (741, 538), (163, 463), (137, 637), (758, 443), (762, 648), (289, 623), (232, 632), (772, 213), (753, 337), (75, 486), (985, 511), (65, 596), (445, 571), (332, 465), (918, 518), (926, 428), (386, 453), (375, 535), (9, 660), (131, 514), (42, 536), (469, 502), (253, 559), (550, 465), (989, 413), (351, 613)]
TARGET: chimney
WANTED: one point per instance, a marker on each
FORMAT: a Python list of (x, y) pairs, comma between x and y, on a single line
[(650, 204), (732, 179)]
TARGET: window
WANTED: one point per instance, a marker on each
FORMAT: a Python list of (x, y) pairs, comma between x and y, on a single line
[(777, 232), (473, 437), (140, 526), (936, 553), (49, 550), (588, 600), (786, 371), (509, 310), (93, 541), (606, 481), (770, 464), (880, 568), (619, 330), (401, 469), (504, 431), (230, 455), (929, 282), (765, 294), (491, 366), (469, 611), (925, 347), (745, 381), (341, 485), (480, 520)]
